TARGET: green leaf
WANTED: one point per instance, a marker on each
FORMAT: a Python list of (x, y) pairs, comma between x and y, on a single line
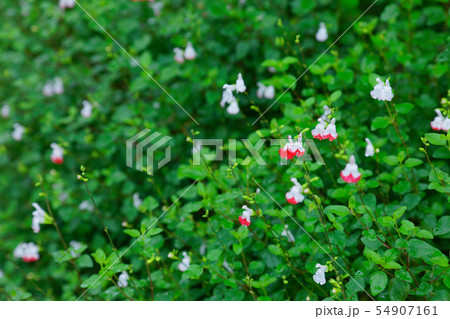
[(339, 210), (192, 172), (256, 267), (392, 265), (424, 234), (85, 261), (413, 162), (398, 290), (436, 139), (391, 160), (378, 282), (237, 248), (404, 108), (373, 256), (386, 221), (380, 122), (91, 282), (407, 227), (399, 212), (402, 274), (153, 231), (335, 96), (193, 272), (443, 226), (275, 250), (132, 232), (99, 256)]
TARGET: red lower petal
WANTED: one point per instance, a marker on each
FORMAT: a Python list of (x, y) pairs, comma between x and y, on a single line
[(244, 222)]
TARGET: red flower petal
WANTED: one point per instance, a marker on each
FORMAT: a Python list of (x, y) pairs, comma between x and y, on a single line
[(244, 222), (292, 201), (283, 153)]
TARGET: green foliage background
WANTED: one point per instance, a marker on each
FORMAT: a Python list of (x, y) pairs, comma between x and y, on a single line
[(402, 198)]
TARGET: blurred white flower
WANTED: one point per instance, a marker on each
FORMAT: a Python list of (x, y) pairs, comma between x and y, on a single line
[(322, 34), (202, 249), (227, 94), (5, 110), (179, 58), (240, 85), (86, 111), (157, 8), (58, 86), (319, 277), (18, 132), (189, 52), (2, 274), (369, 148), (47, 90), (137, 201), (382, 91), (185, 262), (57, 154), (295, 196), (233, 107), (86, 205), (75, 246), (267, 92), (38, 218), (326, 112), (64, 4), (350, 174), (123, 280), (287, 233), (28, 252)]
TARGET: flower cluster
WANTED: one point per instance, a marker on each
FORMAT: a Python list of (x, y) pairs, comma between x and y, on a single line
[(188, 53), (350, 173), (440, 123), (245, 218), (295, 196), (322, 131), (6, 110), (28, 252), (382, 91), (292, 149), (229, 98), (54, 87)]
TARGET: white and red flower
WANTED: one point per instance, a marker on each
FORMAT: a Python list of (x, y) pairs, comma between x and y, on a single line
[(57, 156), (295, 196), (245, 218), (185, 262), (382, 91), (319, 276), (38, 218), (350, 173), (440, 123), (292, 149), (28, 252), (322, 131)]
